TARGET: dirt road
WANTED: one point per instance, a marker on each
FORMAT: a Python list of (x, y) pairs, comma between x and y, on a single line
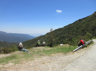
[(82, 60), (84, 63)]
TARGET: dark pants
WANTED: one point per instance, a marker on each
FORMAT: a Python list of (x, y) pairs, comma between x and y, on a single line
[(79, 44)]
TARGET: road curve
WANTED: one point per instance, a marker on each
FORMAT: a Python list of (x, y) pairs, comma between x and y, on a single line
[(85, 63)]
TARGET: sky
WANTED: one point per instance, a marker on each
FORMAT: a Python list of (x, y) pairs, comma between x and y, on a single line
[(37, 17)]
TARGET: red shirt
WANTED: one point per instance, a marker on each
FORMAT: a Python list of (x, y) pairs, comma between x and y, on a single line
[(81, 42)]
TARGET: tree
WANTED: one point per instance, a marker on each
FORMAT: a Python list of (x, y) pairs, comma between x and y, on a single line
[(88, 36), (50, 38)]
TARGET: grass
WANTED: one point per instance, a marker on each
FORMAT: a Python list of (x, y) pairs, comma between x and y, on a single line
[(8, 59), (35, 53), (19, 56), (59, 49)]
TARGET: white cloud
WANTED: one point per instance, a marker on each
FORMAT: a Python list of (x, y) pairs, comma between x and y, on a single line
[(58, 11)]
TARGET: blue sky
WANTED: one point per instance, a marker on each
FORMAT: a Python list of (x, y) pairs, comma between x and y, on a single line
[(37, 17)]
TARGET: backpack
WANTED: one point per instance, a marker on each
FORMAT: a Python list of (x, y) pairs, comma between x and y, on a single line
[(84, 41)]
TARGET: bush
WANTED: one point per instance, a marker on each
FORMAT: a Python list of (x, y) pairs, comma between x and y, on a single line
[(6, 50)]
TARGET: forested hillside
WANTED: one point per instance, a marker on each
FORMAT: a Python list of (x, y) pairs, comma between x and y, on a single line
[(84, 28), (6, 44)]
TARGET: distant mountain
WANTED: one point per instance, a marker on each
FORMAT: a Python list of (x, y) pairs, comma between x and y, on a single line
[(84, 28), (14, 37)]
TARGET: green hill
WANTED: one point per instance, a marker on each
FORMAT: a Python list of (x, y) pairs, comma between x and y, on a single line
[(84, 28), (6, 44)]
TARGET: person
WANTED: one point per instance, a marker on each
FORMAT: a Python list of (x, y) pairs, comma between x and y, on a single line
[(21, 48), (39, 43), (81, 43), (43, 43)]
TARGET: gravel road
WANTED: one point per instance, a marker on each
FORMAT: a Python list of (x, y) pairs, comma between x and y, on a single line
[(82, 60), (85, 63)]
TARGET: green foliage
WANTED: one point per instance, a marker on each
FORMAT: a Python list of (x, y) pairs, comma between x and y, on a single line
[(6, 50), (6, 44), (88, 35), (9, 58), (50, 38), (33, 42), (84, 28), (60, 49)]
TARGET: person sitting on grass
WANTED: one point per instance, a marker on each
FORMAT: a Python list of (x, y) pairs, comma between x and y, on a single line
[(81, 43), (21, 48), (43, 43), (39, 43)]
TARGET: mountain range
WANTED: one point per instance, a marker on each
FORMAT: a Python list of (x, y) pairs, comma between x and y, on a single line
[(84, 28), (14, 37)]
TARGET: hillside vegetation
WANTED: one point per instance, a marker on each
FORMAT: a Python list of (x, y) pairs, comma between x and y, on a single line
[(84, 28), (70, 34), (6, 47), (6, 44)]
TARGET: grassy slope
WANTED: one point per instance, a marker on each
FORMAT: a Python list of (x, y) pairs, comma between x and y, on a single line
[(18, 56)]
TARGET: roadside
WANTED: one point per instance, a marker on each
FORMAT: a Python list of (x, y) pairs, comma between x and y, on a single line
[(85, 63), (54, 62)]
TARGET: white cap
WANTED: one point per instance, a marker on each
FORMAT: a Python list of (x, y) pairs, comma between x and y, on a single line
[(20, 43)]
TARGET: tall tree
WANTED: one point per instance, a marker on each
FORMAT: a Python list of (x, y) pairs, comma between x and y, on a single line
[(50, 38)]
